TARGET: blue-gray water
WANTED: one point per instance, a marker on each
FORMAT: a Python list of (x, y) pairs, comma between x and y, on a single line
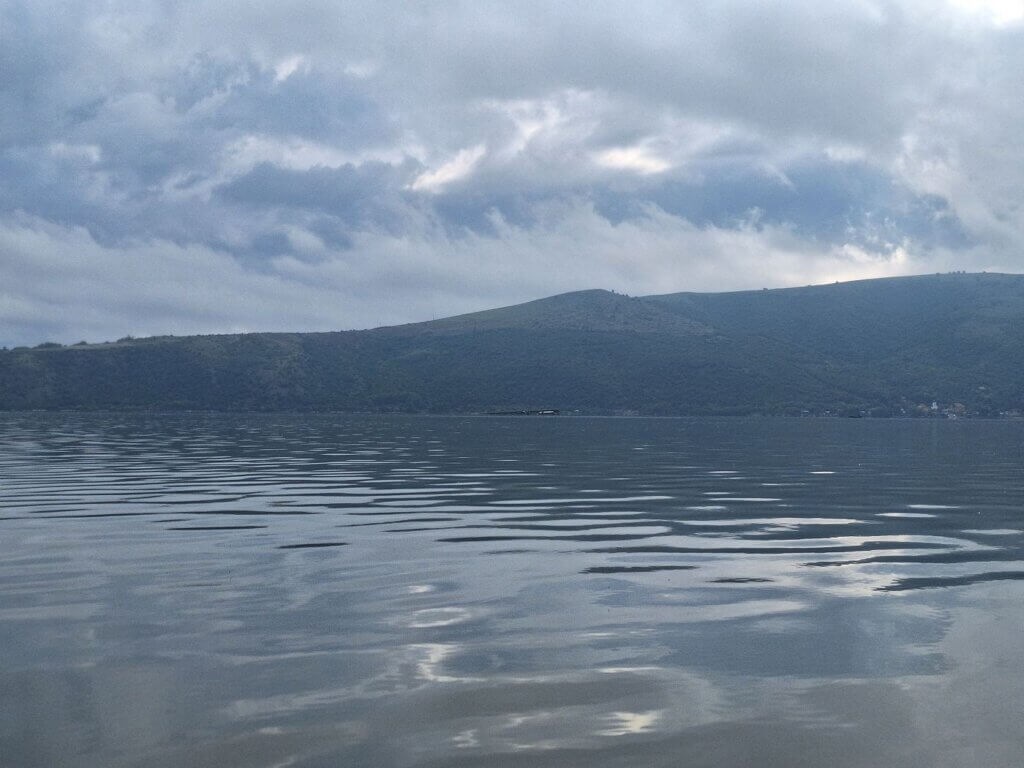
[(295, 590)]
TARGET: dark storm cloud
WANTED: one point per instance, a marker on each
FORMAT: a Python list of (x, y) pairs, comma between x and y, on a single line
[(347, 165), (367, 196), (832, 202)]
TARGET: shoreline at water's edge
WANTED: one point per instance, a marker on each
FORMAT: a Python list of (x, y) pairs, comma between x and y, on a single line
[(488, 415)]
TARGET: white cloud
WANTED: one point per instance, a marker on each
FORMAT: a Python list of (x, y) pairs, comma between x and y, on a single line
[(997, 12), (459, 167), (88, 153), (299, 154), (639, 158), (63, 285), (60, 283), (845, 153), (288, 66), (361, 69)]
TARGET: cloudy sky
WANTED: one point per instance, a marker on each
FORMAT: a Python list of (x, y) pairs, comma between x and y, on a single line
[(217, 166)]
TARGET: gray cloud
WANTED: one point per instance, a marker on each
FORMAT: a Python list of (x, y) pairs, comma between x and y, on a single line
[(215, 166)]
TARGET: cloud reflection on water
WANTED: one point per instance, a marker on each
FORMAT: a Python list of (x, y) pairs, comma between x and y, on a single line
[(766, 639)]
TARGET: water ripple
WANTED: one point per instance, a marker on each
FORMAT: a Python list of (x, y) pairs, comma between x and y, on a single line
[(502, 588)]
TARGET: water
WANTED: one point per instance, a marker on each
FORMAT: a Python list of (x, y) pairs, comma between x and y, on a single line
[(279, 590)]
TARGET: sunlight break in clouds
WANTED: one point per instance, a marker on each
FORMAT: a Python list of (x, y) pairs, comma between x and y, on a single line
[(639, 159), (1000, 12), (457, 168)]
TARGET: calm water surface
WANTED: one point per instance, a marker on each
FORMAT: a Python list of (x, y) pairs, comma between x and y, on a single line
[(294, 590)]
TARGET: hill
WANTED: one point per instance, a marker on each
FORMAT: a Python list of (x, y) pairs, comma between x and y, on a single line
[(884, 347)]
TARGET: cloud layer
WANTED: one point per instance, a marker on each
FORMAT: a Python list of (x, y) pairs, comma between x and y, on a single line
[(196, 167)]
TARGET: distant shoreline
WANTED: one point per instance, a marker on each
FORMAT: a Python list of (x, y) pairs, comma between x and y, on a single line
[(933, 346), (488, 415)]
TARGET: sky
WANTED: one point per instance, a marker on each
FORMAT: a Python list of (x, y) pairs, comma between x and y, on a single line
[(181, 167)]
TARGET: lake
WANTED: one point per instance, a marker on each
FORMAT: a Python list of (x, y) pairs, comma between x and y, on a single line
[(333, 590)]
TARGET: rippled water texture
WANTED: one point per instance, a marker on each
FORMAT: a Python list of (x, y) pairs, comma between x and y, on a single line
[(281, 590)]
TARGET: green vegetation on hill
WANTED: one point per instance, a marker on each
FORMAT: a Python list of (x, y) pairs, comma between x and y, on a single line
[(882, 347)]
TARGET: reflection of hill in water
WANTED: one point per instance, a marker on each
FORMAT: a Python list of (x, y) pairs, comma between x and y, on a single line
[(879, 346)]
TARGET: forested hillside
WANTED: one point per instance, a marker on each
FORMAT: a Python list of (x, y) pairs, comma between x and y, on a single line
[(878, 347)]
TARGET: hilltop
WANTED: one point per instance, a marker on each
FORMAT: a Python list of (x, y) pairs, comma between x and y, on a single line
[(883, 347)]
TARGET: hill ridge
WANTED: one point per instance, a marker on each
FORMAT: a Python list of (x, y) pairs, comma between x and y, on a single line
[(889, 346)]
